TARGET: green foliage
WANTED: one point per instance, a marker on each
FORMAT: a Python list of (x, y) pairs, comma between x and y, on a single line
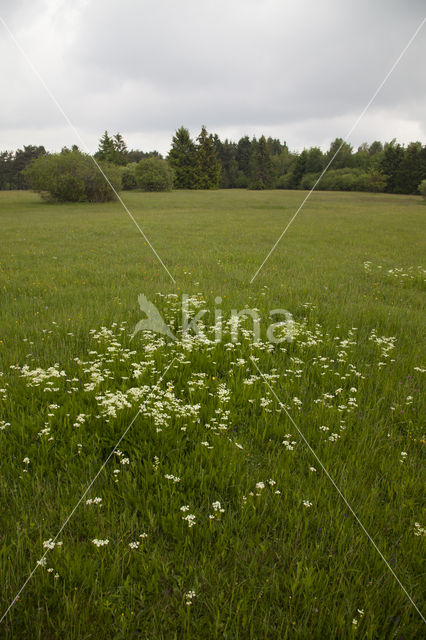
[(182, 158), (261, 167), (120, 149), (112, 150), (12, 166), (106, 150), (135, 155), (71, 176), (128, 177), (314, 160), (422, 188), (207, 162), (412, 169), (392, 157), (227, 154), (6, 170), (343, 157), (242, 181), (244, 151), (298, 171), (373, 180), (346, 180), (154, 174)]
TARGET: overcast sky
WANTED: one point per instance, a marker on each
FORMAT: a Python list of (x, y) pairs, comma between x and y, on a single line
[(298, 70)]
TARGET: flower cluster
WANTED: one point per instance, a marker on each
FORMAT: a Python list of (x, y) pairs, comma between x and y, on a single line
[(189, 596), (218, 510), (100, 543)]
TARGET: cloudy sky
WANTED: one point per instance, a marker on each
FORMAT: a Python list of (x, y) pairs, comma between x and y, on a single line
[(298, 70)]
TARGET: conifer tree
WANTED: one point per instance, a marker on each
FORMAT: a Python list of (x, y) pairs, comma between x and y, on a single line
[(120, 148), (208, 165), (261, 168), (106, 149), (182, 158)]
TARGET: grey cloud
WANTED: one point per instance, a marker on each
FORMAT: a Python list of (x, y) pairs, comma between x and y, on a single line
[(235, 64)]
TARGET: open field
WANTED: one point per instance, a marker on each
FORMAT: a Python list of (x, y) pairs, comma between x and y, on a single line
[(286, 558)]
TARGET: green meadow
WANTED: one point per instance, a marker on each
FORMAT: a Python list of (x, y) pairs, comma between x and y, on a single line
[(219, 512)]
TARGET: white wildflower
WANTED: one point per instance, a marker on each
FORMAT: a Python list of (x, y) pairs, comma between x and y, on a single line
[(134, 545), (190, 518), (49, 544), (96, 500), (189, 596), (168, 476), (100, 543), (218, 507)]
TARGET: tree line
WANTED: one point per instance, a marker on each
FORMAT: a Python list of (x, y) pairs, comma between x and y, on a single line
[(210, 163)]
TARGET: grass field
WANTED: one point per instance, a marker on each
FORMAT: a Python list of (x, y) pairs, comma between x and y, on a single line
[(214, 519)]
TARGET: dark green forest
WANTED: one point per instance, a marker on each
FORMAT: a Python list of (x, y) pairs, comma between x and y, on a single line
[(257, 163)]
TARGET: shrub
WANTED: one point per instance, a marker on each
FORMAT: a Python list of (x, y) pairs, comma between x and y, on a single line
[(72, 176), (256, 185), (308, 181), (284, 181), (422, 188), (154, 174), (128, 177), (372, 180), (346, 180), (241, 181)]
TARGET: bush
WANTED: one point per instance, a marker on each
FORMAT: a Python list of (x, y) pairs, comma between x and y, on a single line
[(241, 181), (284, 181), (256, 185), (422, 188), (72, 176), (346, 180), (128, 177), (340, 180), (308, 181), (154, 174), (372, 180)]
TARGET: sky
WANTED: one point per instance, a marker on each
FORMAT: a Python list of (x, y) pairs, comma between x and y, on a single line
[(297, 70)]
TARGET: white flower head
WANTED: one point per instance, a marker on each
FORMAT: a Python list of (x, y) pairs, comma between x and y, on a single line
[(100, 543), (217, 508), (190, 519), (189, 597)]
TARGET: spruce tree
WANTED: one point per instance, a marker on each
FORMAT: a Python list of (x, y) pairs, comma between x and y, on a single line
[(182, 158), (106, 149), (208, 165), (392, 157), (120, 149), (412, 169), (261, 167)]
